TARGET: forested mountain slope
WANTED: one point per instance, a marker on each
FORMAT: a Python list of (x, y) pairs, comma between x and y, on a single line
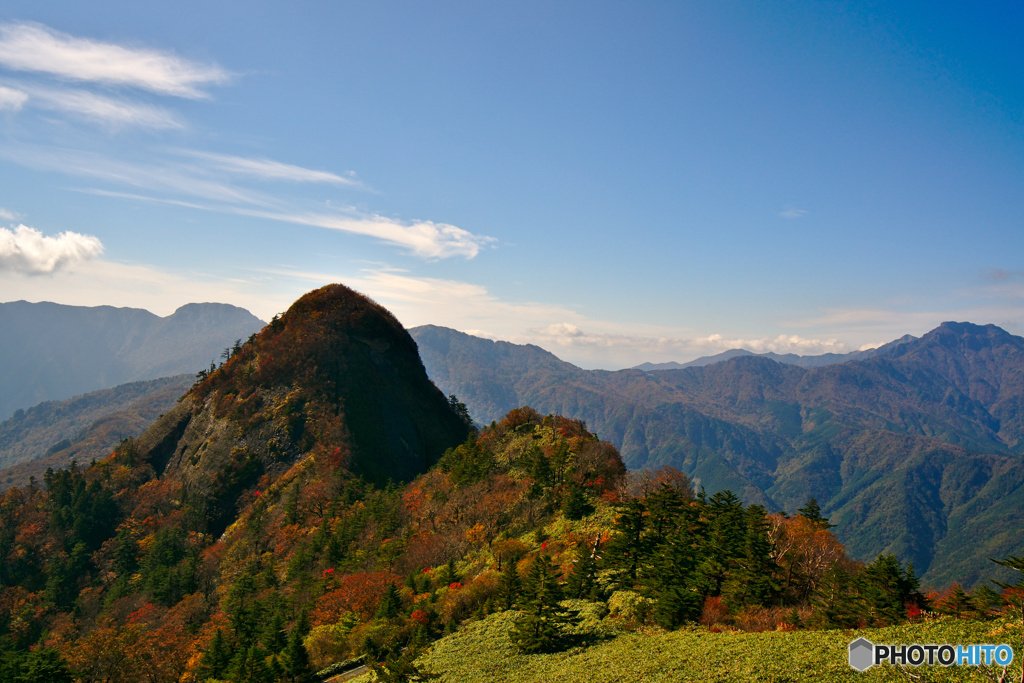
[(916, 450)]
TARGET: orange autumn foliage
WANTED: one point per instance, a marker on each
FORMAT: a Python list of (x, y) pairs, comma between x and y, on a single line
[(359, 593)]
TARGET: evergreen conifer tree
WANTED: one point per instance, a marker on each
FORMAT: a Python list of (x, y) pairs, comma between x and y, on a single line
[(510, 587), (540, 627), (627, 549), (751, 579), (670, 580), (835, 600), (957, 602), (296, 658), (582, 579), (400, 668), (274, 636), (217, 656), (576, 505), (390, 604), (811, 511)]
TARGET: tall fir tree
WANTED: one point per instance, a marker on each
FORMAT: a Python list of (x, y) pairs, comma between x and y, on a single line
[(627, 549), (582, 579), (510, 588), (540, 628)]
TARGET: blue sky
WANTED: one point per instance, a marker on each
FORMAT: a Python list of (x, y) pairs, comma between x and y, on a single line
[(615, 182)]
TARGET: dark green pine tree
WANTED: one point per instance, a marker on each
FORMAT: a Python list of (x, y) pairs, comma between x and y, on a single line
[(721, 540), (811, 511), (540, 627), (667, 507), (296, 659), (274, 636), (751, 575), (582, 580), (627, 549), (217, 657), (125, 551), (886, 589), (451, 575), (539, 468), (835, 600), (985, 601), (957, 603), (390, 604), (1013, 593), (576, 506), (249, 666), (243, 609), (42, 665), (670, 579), (510, 588)]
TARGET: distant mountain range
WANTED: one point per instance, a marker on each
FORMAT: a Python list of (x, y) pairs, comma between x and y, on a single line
[(83, 428), (818, 361), (53, 352), (916, 448)]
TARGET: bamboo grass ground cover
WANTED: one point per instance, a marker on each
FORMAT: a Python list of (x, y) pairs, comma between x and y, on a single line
[(481, 652)]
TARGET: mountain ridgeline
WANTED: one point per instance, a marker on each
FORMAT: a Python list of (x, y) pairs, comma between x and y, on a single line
[(336, 377), (915, 450), (54, 352)]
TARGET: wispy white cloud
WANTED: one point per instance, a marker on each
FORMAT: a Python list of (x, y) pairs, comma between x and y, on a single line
[(426, 239), (6, 215), (158, 176), (26, 250), (793, 213), (105, 110), (36, 48), (268, 169), (11, 99)]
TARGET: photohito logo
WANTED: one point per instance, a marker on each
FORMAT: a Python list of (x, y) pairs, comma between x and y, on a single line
[(863, 654)]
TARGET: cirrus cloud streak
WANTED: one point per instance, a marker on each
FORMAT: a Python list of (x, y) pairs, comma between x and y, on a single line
[(36, 48)]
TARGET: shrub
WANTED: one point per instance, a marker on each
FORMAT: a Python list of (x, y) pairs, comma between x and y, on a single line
[(630, 608)]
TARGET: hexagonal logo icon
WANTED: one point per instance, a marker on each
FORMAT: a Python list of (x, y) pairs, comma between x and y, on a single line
[(862, 653)]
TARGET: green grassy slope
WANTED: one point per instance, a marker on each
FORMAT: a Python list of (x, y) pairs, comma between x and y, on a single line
[(482, 653)]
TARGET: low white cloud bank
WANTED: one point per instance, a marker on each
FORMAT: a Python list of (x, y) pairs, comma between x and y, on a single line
[(570, 336), (472, 309), (26, 250), (37, 48), (11, 99)]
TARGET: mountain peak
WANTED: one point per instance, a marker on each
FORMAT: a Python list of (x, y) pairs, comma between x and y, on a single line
[(336, 379)]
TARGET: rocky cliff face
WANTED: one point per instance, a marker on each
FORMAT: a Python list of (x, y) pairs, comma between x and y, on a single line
[(335, 381)]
